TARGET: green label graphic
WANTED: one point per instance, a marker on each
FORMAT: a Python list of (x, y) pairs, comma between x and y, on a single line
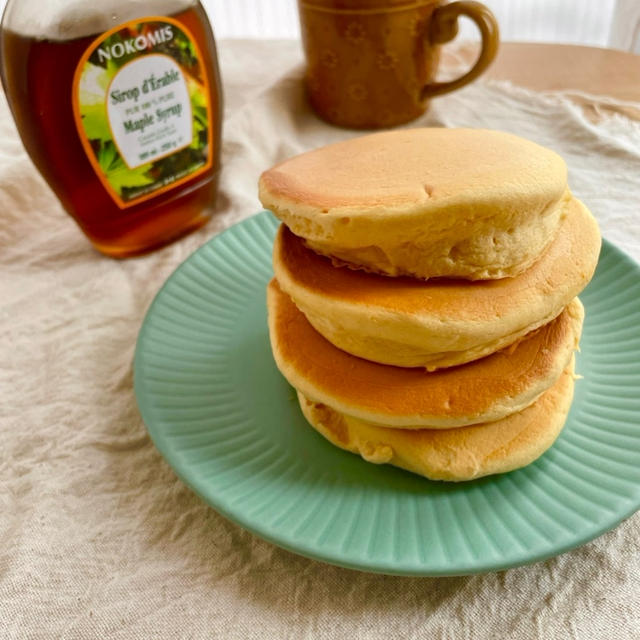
[(140, 100)]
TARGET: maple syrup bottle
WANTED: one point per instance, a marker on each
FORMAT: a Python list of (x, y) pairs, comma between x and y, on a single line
[(118, 103)]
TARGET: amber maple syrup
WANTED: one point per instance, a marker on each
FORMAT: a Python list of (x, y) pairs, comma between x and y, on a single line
[(147, 173)]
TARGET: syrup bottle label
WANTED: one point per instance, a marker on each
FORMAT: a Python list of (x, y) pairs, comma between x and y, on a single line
[(141, 106)]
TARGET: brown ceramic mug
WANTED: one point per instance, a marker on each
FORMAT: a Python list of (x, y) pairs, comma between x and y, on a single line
[(372, 63)]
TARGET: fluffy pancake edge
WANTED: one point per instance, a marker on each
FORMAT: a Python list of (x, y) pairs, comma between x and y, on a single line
[(453, 455)]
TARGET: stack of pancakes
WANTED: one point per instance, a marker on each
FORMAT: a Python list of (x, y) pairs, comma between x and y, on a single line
[(424, 302)]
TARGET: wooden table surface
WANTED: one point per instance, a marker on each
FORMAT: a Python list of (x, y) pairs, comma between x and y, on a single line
[(551, 67)]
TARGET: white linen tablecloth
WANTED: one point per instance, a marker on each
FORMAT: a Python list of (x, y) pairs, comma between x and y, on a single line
[(99, 539)]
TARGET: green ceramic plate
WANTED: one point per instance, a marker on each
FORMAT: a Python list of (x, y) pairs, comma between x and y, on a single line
[(229, 424)]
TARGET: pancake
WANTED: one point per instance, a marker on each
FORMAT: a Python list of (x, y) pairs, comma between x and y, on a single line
[(453, 454), (438, 323), (464, 203), (486, 390)]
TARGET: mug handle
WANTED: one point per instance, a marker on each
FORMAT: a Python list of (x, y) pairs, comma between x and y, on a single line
[(443, 27)]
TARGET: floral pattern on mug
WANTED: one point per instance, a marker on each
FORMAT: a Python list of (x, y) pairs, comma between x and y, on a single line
[(329, 59), (355, 33), (357, 92), (386, 60), (415, 26), (372, 59)]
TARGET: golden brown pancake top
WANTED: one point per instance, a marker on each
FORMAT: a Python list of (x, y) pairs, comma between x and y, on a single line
[(420, 167)]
